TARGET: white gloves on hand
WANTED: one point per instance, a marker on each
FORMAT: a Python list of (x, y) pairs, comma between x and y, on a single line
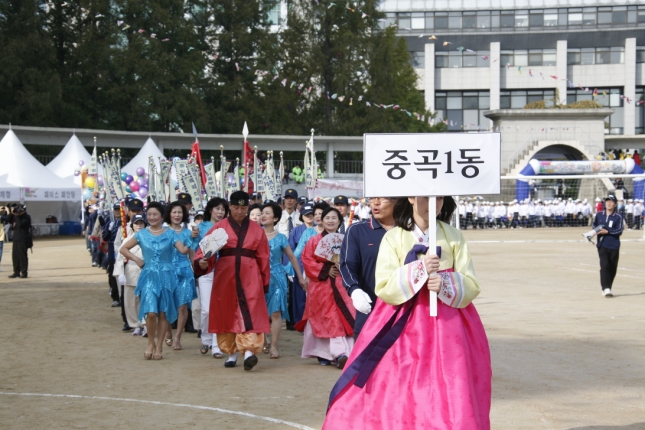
[(121, 280), (362, 301)]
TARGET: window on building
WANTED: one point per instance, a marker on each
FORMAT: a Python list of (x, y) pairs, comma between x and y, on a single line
[(454, 20), (521, 18), (600, 55), (575, 17), (470, 20), (273, 12), (533, 57), (441, 20), (606, 97), (640, 110), (483, 19), (517, 99), (404, 20), (463, 110), (453, 59), (508, 19), (551, 18), (640, 54), (418, 21), (589, 16), (429, 20), (418, 59)]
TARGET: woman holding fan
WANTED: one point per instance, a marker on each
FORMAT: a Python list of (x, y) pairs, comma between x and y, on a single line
[(328, 320)]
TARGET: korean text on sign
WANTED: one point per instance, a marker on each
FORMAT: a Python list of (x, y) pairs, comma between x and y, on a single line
[(431, 164)]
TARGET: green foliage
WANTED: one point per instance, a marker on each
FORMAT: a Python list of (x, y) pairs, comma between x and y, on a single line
[(217, 63)]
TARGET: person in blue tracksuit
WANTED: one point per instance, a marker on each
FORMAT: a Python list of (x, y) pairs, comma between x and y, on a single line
[(611, 223)]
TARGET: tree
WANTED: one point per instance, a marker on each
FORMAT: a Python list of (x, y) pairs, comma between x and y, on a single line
[(30, 88), (237, 34), (339, 50)]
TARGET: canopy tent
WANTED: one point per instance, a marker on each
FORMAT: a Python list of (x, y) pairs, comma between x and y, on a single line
[(141, 159), (68, 160), (36, 183), (8, 192)]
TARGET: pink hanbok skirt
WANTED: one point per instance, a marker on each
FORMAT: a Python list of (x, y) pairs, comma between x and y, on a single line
[(436, 375)]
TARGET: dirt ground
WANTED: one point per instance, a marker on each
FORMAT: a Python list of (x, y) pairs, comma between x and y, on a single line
[(563, 356)]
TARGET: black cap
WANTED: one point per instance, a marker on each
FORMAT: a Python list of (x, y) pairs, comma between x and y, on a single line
[(291, 193), (307, 208), (255, 196), (135, 205), (612, 198), (239, 198), (199, 213), (302, 200), (341, 200), (185, 198), (116, 206), (279, 201), (138, 217)]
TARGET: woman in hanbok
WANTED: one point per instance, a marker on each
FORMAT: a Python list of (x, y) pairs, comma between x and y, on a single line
[(216, 210), (328, 321), (157, 278), (310, 232), (276, 298), (184, 292), (410, 370)]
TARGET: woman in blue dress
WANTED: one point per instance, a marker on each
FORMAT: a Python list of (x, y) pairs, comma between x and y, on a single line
[(157, 279), (276, 297), (177, 218)]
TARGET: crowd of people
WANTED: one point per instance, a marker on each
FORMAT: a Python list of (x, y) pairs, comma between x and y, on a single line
[(268, 270), (530, 213)]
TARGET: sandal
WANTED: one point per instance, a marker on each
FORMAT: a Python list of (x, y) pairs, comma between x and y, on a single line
[(176, 345), (218, 355), (168, 341), (266, 348), (274, 355), (157, 355), (203, 349), (148, 355)]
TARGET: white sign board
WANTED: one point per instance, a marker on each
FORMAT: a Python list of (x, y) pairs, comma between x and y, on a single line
[(432, 164)]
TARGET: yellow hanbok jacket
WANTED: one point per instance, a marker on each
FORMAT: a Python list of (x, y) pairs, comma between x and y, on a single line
[(396, 282)]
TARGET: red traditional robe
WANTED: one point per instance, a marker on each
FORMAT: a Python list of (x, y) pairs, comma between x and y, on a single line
[(242, 276), (329, 308)]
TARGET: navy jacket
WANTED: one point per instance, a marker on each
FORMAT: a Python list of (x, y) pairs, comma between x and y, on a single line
[(358, 260), (614, 225)]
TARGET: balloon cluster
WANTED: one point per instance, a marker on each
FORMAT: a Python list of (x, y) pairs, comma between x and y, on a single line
[(136, 186)]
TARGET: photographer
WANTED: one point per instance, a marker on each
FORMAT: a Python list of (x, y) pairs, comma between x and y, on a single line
[(20, 223), (4, 212)]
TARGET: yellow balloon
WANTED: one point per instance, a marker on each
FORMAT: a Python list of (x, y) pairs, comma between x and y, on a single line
[(89, 182)]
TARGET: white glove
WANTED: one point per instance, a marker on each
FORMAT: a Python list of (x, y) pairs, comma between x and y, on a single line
[(121, 280), (362, 301)]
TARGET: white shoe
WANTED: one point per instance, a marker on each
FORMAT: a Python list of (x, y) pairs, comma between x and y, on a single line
[(607, 292), (137, 331), (144, 331)]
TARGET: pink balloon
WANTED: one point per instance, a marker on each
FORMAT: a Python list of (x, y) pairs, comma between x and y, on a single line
[(134, 186)]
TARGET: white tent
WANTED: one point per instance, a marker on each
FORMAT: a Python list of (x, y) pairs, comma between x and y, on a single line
[(141, 159), (67, 161), (18, 168), (8, 193)]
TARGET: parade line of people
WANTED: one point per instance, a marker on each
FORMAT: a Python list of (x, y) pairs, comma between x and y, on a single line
[(366, 312)]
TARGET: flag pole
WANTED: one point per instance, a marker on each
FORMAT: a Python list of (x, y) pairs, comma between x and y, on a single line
[(245, 162), (432, 245)]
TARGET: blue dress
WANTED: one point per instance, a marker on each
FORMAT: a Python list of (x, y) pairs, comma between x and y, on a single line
[(276, 298), (298, 294), (157, 279), (203, 228), (185, 290)]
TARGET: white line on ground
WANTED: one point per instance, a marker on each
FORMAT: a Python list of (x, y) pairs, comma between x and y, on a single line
[(620, 268), (543, 241), (181, 405), (595, 271)]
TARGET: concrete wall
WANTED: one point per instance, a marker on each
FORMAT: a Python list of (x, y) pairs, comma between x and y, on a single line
[(462, 78), (512, 79)]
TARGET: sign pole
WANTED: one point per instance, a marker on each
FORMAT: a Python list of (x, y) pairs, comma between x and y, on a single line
[(432, 245)]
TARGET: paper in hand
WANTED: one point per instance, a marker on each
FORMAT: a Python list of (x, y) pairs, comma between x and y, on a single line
[(213, 242)]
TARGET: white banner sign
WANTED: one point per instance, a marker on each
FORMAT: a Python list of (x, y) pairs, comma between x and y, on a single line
[(45, 194), (433, 164), (332, 188)]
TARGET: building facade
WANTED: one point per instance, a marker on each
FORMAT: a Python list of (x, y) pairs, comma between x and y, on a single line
[(474, 56)]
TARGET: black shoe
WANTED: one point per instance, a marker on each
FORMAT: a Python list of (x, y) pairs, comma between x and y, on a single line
[(232, 363), (23, 276), (342, 360), (290, 326), (126, 327), (15, 275), (250, 362), (190, 330), (199, 334)]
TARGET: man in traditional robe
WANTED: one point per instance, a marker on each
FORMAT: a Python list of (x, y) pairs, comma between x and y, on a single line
[(238, 311)]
